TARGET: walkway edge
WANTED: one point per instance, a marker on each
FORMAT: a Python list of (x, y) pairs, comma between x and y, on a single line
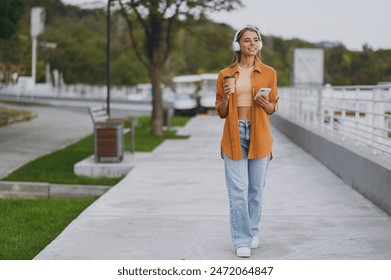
[(370, 175)]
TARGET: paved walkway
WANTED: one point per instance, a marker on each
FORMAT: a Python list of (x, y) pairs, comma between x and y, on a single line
[(173, 205), (53, 128)]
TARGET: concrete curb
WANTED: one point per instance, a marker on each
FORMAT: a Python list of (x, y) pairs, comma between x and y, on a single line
[(89, 168), (33, 190)]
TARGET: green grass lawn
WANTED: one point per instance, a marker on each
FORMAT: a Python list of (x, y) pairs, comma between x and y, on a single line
[(57, 168), (28, 226)]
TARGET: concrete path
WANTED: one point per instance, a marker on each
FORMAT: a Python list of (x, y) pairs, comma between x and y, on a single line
[(52, 129), (173, 205)]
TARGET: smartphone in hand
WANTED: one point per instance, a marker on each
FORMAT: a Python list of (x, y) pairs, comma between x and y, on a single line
[(263, 91)]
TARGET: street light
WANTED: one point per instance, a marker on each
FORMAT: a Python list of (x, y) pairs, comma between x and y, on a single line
[(37, 26), (108, 57)]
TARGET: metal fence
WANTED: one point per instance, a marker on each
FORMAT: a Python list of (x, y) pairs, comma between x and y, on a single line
[(68, 91), (140, 92), (361, 114)]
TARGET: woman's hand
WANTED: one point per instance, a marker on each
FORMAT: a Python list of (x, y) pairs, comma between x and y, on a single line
[(264, 102), (227, 91), (223, 107)]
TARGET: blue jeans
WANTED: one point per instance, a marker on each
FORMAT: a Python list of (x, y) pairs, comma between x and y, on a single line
[(245, 181)]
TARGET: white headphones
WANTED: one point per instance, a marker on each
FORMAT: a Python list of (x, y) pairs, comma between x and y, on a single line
[(235, 43)]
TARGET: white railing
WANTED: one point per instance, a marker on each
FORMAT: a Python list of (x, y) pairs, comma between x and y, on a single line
[(361, 114), (141, 92), (69, 91)]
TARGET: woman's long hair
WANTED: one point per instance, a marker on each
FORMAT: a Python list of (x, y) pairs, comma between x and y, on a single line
[(236, 57)]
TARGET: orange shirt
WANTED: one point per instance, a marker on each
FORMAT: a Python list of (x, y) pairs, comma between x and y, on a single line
[(263, 76)]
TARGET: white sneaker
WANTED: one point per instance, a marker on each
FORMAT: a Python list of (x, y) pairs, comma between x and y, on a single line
[(243, 252), (255, 242)]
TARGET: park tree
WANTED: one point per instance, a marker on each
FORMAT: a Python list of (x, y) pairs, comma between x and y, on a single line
[(10, 13), (157, 22)]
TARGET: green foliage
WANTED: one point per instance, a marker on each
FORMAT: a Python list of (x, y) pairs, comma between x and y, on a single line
[(200, 46), (367, 67), (201, 49), (28, 226), (156, 23), (10, 13)]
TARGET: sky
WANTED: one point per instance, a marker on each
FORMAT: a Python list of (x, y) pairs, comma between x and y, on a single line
[(350, 22)]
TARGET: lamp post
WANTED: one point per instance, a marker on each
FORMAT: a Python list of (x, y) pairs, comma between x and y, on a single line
[(108, 56), (37, 26)]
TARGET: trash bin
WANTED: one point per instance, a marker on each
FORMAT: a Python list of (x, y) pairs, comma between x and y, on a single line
[(109, 141)]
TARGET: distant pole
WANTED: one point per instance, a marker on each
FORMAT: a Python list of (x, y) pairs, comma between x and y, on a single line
[(37, 24), (34, 59), (108, 57)]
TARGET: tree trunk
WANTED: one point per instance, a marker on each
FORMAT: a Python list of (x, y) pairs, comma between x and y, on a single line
[(157, 103)]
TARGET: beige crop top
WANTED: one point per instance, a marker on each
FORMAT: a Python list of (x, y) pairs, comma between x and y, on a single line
[(243, 87)]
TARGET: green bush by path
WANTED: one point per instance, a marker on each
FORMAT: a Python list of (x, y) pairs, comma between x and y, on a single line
[(28, 226)]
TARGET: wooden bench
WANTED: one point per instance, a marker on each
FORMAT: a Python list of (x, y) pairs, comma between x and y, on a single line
[(108, 135)]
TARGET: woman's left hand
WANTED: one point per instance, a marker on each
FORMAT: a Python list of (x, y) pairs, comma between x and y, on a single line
[(264, 102)]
